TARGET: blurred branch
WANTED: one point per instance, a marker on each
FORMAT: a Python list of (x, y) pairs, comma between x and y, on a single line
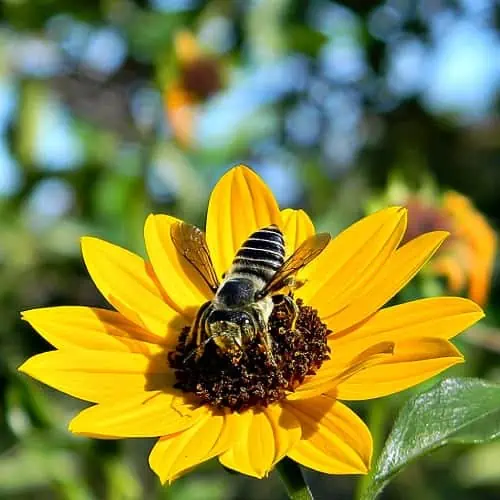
[(32, 95), (102, 103), (484, 336)]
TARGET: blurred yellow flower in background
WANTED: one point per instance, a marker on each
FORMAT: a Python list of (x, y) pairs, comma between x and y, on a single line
[(198, 76), (467, 257), (346, 346), (470, 253)]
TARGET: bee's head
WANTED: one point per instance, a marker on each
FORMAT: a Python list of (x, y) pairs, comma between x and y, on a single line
[(229, 329), (237, 292)]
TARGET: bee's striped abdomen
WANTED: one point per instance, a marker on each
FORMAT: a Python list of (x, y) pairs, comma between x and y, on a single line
[(262, 254)]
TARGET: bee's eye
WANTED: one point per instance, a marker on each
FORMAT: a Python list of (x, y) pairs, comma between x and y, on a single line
[(246, 322)]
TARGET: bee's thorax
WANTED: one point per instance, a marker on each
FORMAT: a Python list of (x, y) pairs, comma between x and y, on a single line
[(237, 291)]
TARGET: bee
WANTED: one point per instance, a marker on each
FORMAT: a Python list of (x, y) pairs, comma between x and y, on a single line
[(243, 302)]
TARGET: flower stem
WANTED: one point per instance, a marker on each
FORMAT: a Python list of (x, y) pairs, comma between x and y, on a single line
[(293, 480)]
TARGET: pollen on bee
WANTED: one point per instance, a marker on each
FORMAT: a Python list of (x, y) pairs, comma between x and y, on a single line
[(299, 347)]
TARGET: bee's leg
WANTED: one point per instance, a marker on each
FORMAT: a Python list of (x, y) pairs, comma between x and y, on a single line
[(290, 305), (268, 344), (293, 283), (197, 333), (293, 309), (265, 340)]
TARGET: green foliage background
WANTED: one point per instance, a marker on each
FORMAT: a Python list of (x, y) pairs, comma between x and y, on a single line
[(314, 102)]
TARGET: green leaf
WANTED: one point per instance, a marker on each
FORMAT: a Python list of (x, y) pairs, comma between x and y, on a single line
[(457, 410)]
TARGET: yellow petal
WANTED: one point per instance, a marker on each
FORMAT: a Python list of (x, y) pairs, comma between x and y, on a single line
[(183, 285), (352, 259), (473, 249), (93, 328), (481, 273), (440, 317), (393, 276), (484, 244), (187, 48), (334, 439), (182, 112), (286, 428), (240, 204), (149, 414), (451, 268), (341, 365), (297, 227), (173, 455), (253, 452), (413, 361), (263, 438), (97, 376), (128, 284)]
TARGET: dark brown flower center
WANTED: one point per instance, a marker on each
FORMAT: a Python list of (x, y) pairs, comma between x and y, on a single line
[(202, 77), (423, 218), (253, 381)]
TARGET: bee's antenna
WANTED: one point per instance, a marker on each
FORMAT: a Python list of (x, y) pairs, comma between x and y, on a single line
[(194, 351), (190, 355)]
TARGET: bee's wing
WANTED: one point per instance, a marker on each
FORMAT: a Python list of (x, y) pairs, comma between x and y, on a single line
[(306, 252), (190, 242)]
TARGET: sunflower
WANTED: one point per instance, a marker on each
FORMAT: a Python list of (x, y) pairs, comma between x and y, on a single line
[(466, 259), (199, 76), (470, 254), (132, 364)]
